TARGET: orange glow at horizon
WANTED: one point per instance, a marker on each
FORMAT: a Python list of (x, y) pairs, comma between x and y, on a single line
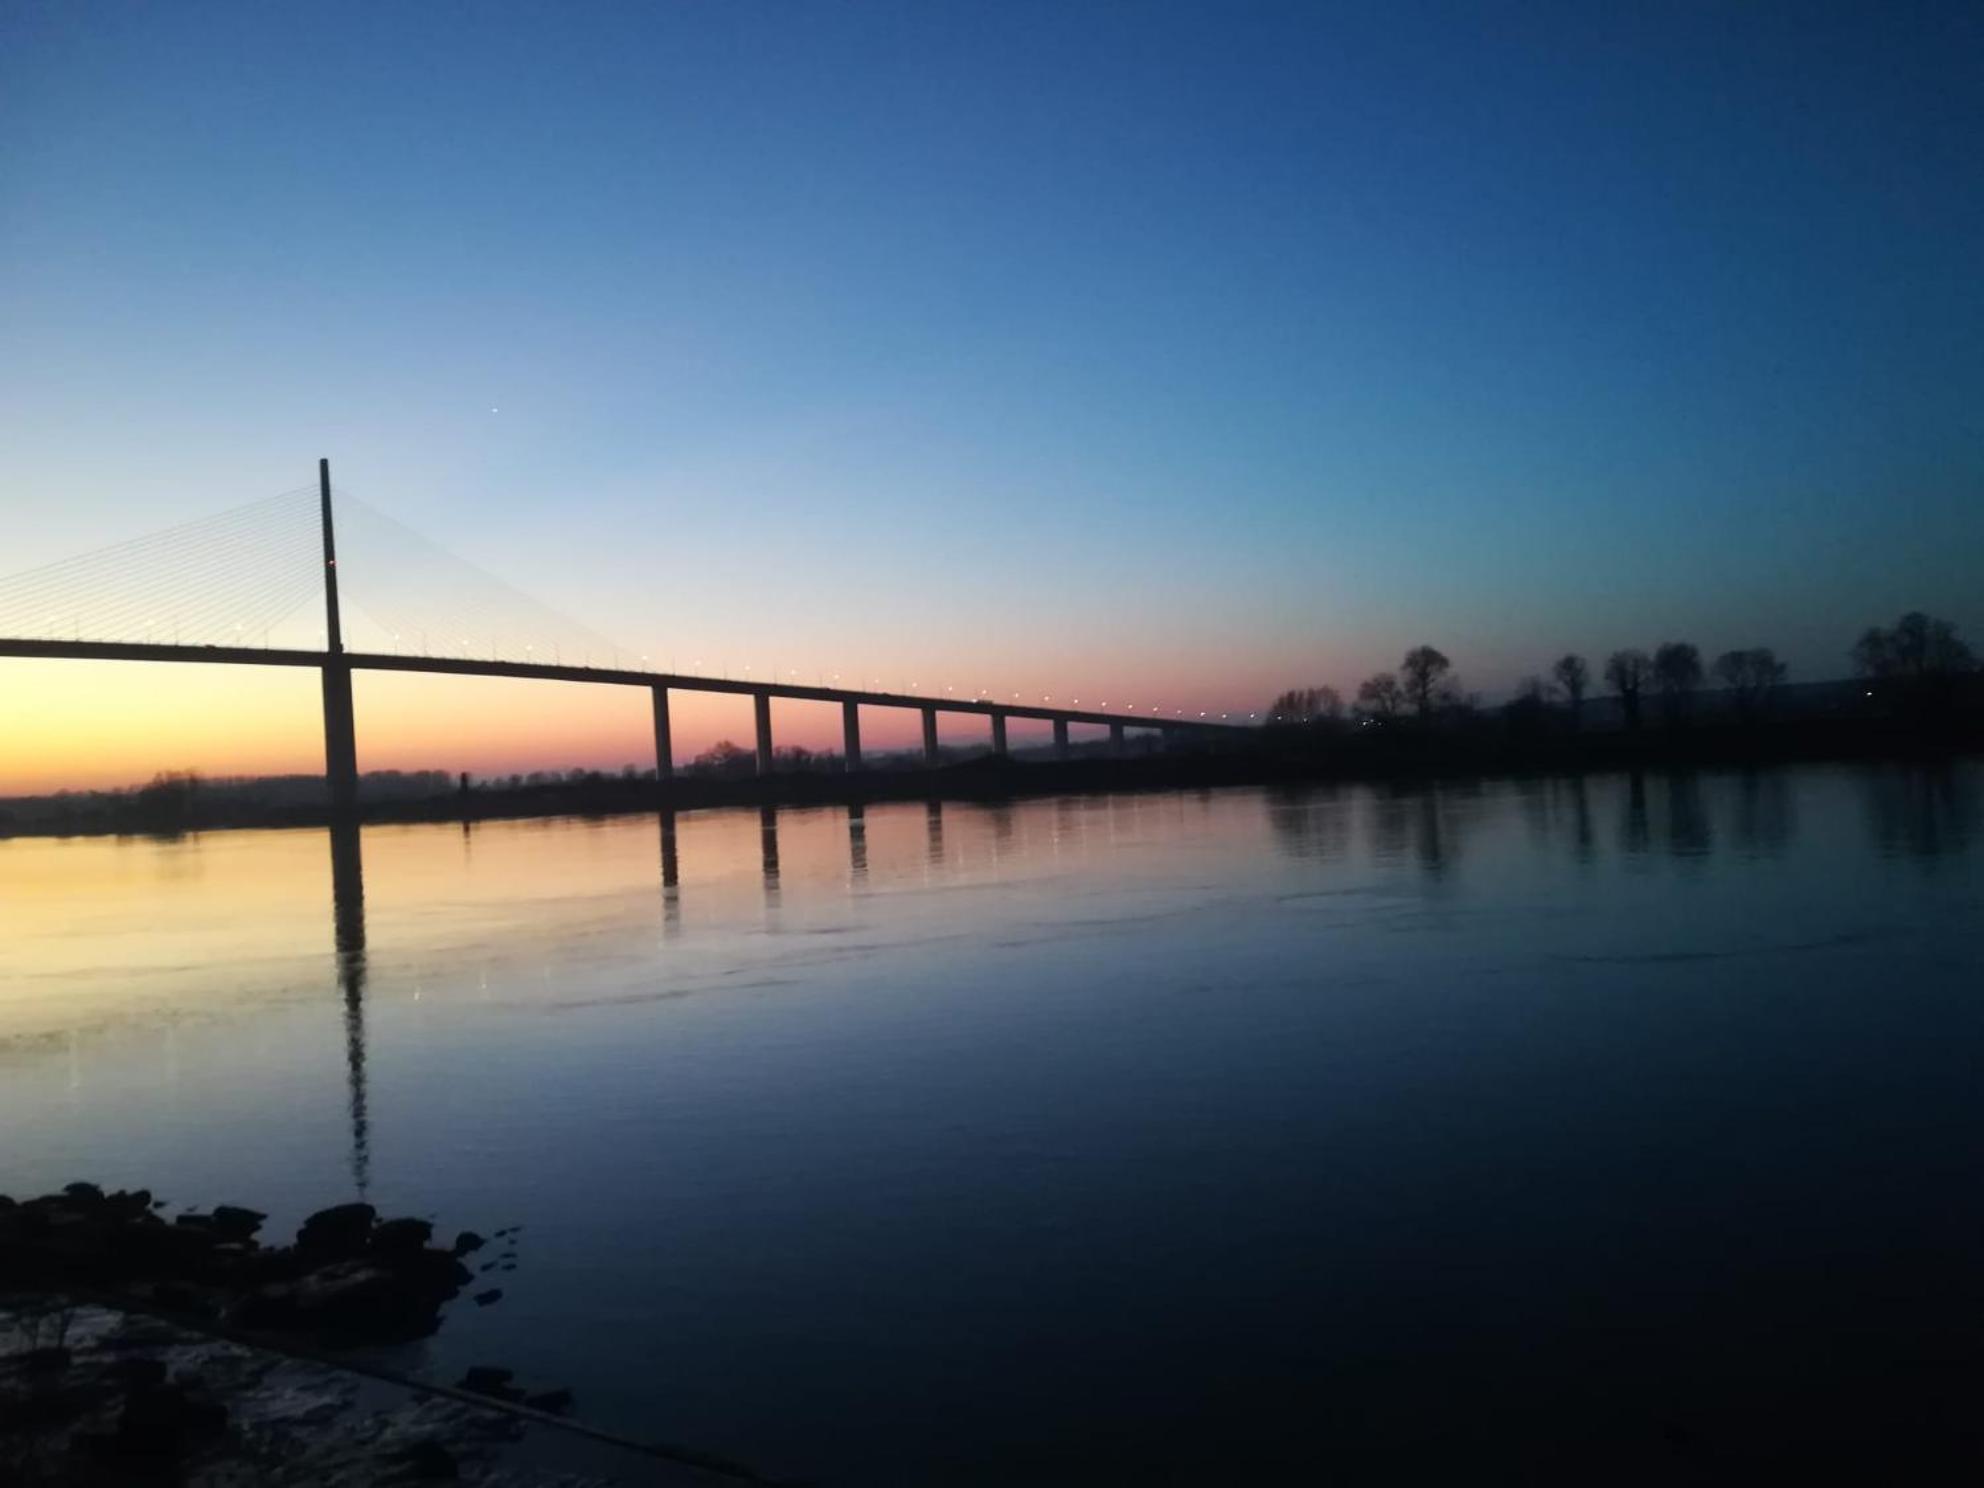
[(97, 725)]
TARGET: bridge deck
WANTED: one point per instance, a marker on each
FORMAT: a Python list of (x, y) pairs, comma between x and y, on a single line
[(613, 676)]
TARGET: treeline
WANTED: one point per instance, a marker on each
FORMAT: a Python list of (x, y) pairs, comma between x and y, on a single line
[(179, 800), (1919, 671)]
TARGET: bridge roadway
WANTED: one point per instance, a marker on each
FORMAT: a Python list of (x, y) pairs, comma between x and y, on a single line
[(659, 683)]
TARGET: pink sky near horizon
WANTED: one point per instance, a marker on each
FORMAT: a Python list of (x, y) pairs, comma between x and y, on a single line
[(84, 725)]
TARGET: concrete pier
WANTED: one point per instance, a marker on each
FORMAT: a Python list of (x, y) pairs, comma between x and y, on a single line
[(930, 737), (1116, 739), (850, 734), (1060, 738), (999, 734), (340, 738), (664, 746), (761, 707)]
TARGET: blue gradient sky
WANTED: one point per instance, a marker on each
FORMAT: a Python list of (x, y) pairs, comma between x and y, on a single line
[(1196, 350)]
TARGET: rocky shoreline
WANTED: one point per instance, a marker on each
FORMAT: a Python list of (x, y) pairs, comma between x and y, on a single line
[(139, 1349)]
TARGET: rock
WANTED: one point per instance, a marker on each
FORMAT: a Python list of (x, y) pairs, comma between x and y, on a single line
[(468, 1242), (177, 1296), (86, 1193), (237, 1223), (401, 1236), (349, 1301), (139, 1372), (494, 1294), (339, 1232), (161, 1420), (429, 1461), (551, 1402), (52, 1359)]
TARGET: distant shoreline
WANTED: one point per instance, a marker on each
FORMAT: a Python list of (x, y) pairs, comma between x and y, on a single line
[(1280, 757)]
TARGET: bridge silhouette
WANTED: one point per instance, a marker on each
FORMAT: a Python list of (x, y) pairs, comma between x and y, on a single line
[(206, 551)]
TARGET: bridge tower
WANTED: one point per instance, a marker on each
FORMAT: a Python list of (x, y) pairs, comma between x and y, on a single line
[(340, 737)]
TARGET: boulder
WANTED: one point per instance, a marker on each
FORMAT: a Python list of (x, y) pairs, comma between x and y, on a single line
[(551, 1402), (430, 1462), (401, 1237), (237, 1223), (338, 1232), (349, 1301), (137, 1372), (160, 1421), (486, 1379)]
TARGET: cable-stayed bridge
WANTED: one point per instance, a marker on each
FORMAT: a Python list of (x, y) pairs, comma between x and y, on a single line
[(219, 589)]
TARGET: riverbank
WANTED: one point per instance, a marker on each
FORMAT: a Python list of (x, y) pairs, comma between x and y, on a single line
[(1400, 752), (137, 1349)]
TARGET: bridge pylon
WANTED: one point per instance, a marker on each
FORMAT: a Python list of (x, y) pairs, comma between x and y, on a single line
[(340, 730)]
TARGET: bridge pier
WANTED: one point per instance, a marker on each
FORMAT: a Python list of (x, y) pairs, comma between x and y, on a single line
[(1060, 738), (664, 745), (930, 737), (340, 739), (850, 733), (999, 734), (1116, 740), (761, 707)]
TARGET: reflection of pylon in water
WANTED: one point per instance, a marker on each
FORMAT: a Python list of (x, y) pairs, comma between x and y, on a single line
[(348, 934)]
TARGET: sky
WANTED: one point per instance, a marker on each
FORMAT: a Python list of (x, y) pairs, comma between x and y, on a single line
[(1181, 352)]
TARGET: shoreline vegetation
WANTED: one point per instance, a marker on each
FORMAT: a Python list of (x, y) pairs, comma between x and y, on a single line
[(1918, 696)]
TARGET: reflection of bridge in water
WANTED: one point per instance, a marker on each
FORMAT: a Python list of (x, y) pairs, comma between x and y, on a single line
[(1921, 811), (348, 936)]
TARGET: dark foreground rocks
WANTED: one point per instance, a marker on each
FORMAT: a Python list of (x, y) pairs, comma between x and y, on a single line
[(348, 1278), (139, 1401)]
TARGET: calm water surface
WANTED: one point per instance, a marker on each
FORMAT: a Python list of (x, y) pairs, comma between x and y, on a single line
[(1528, 1127)]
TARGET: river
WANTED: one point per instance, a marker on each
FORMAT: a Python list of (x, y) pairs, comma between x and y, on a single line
[(1521, 1127)]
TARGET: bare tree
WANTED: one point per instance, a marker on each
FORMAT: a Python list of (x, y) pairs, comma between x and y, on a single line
[(1306, 705), (1527, 710), (1422, 674), (1380, 696), (1627, 673), (1573, 679), (724, 758), (1919, 646), (1677, 672), (1751, 675)]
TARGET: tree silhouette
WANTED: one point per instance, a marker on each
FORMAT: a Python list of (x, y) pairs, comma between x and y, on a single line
[(1380, 696), (1919, 646), (725, 758), (1626, 673), (1573, 679), (1750, 675), (1530, 707), (1677, 672), (1420, 674), (1306, 705)]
